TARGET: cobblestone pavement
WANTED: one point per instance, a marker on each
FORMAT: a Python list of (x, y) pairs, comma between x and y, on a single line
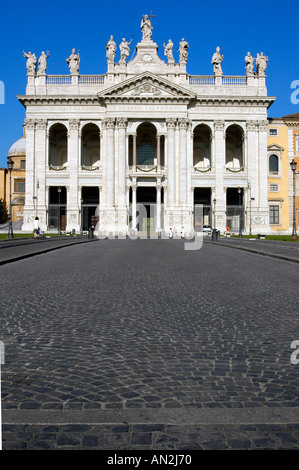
[(130, 345)]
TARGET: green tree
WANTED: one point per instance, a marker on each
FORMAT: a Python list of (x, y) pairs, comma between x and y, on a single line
[(3, 212)]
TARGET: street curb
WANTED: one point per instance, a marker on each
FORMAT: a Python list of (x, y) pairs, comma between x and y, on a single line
[(45, 250), (194, 416), (252, 250)]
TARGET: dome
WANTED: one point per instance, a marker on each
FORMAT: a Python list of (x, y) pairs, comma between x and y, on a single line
[(18, 148)]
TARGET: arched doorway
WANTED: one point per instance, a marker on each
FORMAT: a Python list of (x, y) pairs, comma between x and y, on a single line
[(234, 147), (202, 147), (90, 145), (146, 144), (58, 148)]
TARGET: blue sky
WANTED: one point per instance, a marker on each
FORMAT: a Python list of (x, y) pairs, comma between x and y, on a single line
[(58, 26)]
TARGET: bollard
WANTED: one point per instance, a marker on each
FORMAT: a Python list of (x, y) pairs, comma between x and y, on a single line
[(214, 235)]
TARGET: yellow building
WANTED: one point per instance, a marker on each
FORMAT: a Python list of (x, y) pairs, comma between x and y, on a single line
[(278, 176), (292, 123), (14, 182)]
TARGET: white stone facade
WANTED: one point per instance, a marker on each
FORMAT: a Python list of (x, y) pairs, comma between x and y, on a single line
[(147, 133)]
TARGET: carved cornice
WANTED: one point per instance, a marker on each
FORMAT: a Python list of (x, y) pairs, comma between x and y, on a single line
[(63, 100)]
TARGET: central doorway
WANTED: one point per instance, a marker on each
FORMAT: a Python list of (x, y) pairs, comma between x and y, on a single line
[(146, 206)]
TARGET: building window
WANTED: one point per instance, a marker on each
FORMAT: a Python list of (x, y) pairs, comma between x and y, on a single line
[(19, 186), (146, 154), (297, 143), (23, 164), (274, 215), (273, 132), (273, 164), (273, 187)]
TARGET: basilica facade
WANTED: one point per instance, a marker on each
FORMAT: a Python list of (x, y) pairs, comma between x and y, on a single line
[(146, 147)]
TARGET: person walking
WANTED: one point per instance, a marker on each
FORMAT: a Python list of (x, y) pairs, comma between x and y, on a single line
[(36, 227)]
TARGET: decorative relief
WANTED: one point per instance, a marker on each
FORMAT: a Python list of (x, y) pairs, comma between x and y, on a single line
[(74, 124), (170, 123), (121, 123), (41, 124), (219, 125), (108, 123), (148, 89), (30, 123)]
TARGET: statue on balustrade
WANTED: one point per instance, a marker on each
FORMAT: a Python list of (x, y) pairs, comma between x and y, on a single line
[(183, 50), (261, 64), (216, 62), (31, 62), (168, 51), (110, 50), (249, 61), (146, 27), (124, 50), (43, 63), (73, 62)]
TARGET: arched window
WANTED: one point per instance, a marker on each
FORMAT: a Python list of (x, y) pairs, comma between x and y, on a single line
[(58, 147), (273, 164), (146, 154)]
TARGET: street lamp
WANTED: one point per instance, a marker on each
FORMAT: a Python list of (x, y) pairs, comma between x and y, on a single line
[(214, 201), (10, 230), (293, 168), (59, 228), (240, 215)]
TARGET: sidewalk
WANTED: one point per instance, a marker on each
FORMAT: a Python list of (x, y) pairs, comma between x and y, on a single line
[(288, 251), (20, 248)]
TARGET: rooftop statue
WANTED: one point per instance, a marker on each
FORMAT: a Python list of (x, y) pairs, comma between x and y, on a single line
[(249, 61), (31, 62), (216, 62), (43, 63), (168, 51), (146, 27), (183, 50), (110, 50), (261, 64), (73, 62), (124, 50)]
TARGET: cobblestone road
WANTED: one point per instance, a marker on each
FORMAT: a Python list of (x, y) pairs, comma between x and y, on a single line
[(105, 341)]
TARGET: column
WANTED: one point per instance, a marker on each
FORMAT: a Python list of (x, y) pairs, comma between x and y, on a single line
[(263, 219), (252, 160), (73, 160), (219, 159), (134, 205), (171, 124), (158, 151), (40, 171), (183, 162), (110, 169), (134, 151), (158, 188), (122, 160), (29, 213)]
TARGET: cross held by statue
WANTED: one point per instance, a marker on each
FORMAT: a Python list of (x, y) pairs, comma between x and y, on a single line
[(151, 16)]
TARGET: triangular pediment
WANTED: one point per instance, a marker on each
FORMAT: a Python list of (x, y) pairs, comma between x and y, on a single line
[(275, 147), (146, 86)]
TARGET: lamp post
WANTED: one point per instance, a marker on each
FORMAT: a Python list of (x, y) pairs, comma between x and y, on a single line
[(59, 228), (240, 215), (293, 168), (10, 230), (214, 202)]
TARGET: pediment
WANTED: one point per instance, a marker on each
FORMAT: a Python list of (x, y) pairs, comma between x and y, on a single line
[(275, 147), (146, 86)]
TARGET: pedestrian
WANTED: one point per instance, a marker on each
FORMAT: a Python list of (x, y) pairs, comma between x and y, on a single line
[(170, 233), (183, 232), (174, 232), (36, 227)]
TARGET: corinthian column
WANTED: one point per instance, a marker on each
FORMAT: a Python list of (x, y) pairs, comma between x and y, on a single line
[(110, 170), (219, 159), (73, 159), (183, 125), (122, 160), (171, 162), (29, 212)]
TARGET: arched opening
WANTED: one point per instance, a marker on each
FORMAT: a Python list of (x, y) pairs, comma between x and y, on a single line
[(234, 147), (273, 164), (90, 145), (202, 147), (146, 144), (58, 145)]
